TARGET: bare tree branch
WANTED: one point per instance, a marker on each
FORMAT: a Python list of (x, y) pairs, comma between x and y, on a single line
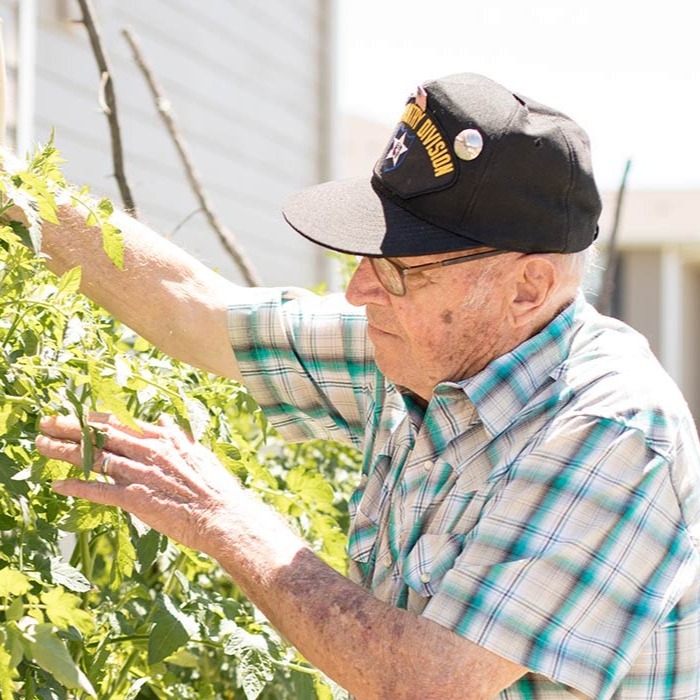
[(164, 109), (605, 300), (108, 103)]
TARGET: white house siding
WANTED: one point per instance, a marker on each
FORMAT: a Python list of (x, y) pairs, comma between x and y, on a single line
[(640, 295), (691, 338), (10, 30), (246, 84)]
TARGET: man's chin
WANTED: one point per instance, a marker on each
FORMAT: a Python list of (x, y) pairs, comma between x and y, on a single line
[(386, 364), (394, 370)]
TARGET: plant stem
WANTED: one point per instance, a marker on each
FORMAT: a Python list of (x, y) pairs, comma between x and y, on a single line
[(167, 589), (124, 673), (85, 555)]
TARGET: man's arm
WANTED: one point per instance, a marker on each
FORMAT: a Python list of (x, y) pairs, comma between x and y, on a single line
[(367, 646), (163, 293)]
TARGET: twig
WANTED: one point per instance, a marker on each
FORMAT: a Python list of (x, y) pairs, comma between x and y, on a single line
[(108, 103), (164, 109), (608, 285), (171, 235)]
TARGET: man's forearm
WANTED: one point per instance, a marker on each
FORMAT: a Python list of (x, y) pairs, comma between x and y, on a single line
[(177, 487), (163, 293), (368, 647)]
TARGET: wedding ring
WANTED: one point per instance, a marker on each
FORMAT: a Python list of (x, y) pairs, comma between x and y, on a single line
[(106, 458)]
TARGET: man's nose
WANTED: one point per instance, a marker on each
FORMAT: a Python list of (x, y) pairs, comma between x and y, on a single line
[(364, 287)]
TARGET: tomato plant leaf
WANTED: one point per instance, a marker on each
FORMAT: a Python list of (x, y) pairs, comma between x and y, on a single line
[(15, 610), (254, 667), (147, 548), (113, 244), (64, 610), (126, 552), (87, 516), (135, 687), (52, 655), (171, 630), (109, 394), (63, 574), (13, 583), (67, 595), (8, 674), (70, 281)]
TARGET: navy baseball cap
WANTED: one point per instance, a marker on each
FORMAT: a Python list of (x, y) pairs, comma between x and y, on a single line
[(470, 164)]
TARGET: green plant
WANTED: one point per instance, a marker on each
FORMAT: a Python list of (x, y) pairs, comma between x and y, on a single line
[(92, 602)]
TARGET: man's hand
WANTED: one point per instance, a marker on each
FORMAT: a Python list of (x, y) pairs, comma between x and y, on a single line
[(162, 476), (179, 488)]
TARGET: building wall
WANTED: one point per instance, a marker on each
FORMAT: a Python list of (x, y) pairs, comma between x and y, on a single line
[(10, 31), (691, 338), (247, 85), (664, 305), (639, 282)]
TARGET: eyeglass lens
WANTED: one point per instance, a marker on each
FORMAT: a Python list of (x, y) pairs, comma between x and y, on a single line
[(389, 276)]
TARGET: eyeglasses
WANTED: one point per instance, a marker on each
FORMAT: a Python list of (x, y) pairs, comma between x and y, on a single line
[(392, 275)]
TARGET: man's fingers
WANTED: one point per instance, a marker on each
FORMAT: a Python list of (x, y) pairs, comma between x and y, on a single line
[(117, 467), (171, 429), (67, 451), (68, 427), (131, 455), (144, 429), (96, 491), (118, 438), (99, 417), (62, 427)]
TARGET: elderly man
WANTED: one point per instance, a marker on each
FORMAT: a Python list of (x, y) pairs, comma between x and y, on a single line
[(527, 519)]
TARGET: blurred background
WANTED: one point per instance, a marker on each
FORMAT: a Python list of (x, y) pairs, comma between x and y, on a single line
[(273, 96)]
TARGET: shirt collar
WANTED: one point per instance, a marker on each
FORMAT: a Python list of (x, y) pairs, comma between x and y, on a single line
[(503, 388)]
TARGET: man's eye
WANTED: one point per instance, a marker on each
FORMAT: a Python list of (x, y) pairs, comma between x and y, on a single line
[(417, 279)]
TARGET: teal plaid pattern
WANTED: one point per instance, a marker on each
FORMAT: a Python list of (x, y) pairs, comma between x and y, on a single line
[(547, 509)]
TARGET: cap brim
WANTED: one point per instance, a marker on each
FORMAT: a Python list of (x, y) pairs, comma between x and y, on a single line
[(350, 216)]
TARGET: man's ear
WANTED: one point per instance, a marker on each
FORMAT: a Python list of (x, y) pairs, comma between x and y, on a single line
[(534, 283)]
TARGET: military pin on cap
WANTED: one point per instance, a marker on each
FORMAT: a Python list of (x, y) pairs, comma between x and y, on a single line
[(468, 144), (421, 97)]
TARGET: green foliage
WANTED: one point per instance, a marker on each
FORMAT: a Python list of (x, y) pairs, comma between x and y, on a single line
[(92, 602)]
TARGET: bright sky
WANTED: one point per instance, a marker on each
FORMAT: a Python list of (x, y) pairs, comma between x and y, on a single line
[(627, 71)]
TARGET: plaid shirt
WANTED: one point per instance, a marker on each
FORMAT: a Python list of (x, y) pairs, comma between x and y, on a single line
[(547, 509)]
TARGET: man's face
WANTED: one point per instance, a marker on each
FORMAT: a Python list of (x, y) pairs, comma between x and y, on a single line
[(448, 326)]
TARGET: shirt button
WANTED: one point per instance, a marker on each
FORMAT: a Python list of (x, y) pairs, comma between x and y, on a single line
[(428, 465), (425, 577), (387, 561)]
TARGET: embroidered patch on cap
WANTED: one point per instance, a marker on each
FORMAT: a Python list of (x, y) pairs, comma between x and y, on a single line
[(400, 145), (418, 159)]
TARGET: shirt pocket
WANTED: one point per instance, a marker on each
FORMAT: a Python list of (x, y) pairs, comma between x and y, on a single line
[(367, 508), (432, 556), (362, 537), (365, 511)]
